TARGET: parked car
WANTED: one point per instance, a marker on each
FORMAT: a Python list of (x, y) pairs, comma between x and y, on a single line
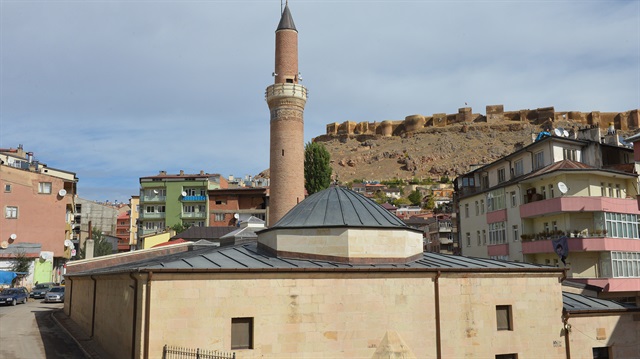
[(40, 290), (14, 296), (55, 294)]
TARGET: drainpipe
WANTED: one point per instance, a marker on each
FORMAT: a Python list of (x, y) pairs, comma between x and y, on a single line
[(437, 309), (70, 294), (134, 316), (567, 329), (147, 312), (93, 315)]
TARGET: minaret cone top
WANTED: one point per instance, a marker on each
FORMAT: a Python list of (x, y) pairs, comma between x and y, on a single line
[(286, 20)]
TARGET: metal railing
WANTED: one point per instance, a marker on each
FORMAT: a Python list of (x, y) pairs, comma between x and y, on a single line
[(171, 352)]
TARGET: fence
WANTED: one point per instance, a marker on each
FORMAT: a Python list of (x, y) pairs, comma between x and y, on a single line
[(171, 352)]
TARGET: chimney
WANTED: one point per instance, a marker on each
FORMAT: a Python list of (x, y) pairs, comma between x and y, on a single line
[(181, 173), (201, 173), (163, 173)]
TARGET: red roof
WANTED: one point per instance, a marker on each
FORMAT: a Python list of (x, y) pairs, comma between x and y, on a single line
[(175, 241)]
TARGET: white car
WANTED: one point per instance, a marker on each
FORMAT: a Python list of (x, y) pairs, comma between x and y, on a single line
[(55, 294)]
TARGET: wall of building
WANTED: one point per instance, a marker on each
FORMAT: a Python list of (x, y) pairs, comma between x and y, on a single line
[(619, 332), (41, 217)]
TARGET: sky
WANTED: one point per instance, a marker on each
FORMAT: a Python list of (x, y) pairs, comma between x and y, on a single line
[(115, 90)]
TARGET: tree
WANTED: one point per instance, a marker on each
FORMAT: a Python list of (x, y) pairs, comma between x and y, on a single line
[(401, 201), (380, 197), (317, 168), (22, 263), (101, 247), (415, 197), (180, 227)]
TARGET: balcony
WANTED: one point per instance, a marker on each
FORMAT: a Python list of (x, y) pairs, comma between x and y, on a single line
[(152, 215), (194, 215), (194, 198), (586, 244), (577, 204), (284, 90), (153, 199), (151, 231), (613, 285)]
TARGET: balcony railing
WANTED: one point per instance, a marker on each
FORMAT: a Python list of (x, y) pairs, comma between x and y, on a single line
[(584, 244), (194, 215), (153, 199), (577, 204), (152, 215), (194, 198)]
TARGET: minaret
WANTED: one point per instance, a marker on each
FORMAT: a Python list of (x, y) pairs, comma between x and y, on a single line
[(286, 99)]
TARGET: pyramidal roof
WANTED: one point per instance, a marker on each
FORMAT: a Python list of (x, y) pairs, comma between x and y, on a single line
[(286, 20), (337, 206)]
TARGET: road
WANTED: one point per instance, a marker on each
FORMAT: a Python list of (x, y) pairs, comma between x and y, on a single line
[(27, 331)]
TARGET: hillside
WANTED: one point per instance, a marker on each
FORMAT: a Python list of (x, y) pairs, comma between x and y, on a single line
[(432, 152)]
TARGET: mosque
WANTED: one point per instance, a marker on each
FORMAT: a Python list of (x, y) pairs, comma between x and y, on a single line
[(335, 276)]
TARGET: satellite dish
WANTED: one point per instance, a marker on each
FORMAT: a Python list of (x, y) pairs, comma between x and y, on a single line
[(155, 191), (62, 192), (67, 243), (184, 194), (13, 236), (563, 187), (4, 244), (43, 256), (558, 132), (236, 216), (565, 133)]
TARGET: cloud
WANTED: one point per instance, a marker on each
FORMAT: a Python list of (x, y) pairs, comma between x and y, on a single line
[(117, 90)]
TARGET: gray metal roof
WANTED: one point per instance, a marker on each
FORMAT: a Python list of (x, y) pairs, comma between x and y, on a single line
[(337, 206), (573, 302), (286, 20), (203, 257)]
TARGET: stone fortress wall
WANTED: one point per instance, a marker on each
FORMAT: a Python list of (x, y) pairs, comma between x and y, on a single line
[(494, 114)]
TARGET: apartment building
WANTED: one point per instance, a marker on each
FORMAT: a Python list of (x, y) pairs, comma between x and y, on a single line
[(38, 207), (582, 188), (230, 206), (170, 199)]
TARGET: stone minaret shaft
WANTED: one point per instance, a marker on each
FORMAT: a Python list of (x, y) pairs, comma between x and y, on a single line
[(286, 100)]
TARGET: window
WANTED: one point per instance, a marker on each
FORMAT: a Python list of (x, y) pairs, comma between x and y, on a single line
[(569, 154), (7, 188), (625, 264), (44, 187), (601, 353), (466, 210), (221, 202), (482, 206), (618, 191), (242, 333), (621, 225), (497, 233), (503, 317), (603, 189), (219, 217), (538, 160), (514, 230), (501, 175), (519, 168), (11, 212), (543, 192), (610, 190), (484, 182), (468, 239), (477, 208), (478, 238), (150, 209), (506, 356), (484, 237), (554, 225), (551, 192), (160, 209), (514, 200), (188, 209), (495, 200), (78, 208)]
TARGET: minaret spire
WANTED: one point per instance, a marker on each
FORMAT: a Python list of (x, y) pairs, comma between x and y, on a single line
[(286, 99)]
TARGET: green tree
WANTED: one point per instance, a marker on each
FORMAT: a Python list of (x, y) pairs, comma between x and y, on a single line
[(415, 197), (101, 247), (180, 227), (431, 203), (317, 168), (380, 197), (401, 201), (22, 263)]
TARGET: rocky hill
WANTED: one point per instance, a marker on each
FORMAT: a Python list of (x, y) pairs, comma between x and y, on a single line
[(432, 152)]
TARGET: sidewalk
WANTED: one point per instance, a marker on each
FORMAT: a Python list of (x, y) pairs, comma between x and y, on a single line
[(89, 346)]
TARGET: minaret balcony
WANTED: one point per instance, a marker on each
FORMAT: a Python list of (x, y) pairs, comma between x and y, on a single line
[(285, 90)]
